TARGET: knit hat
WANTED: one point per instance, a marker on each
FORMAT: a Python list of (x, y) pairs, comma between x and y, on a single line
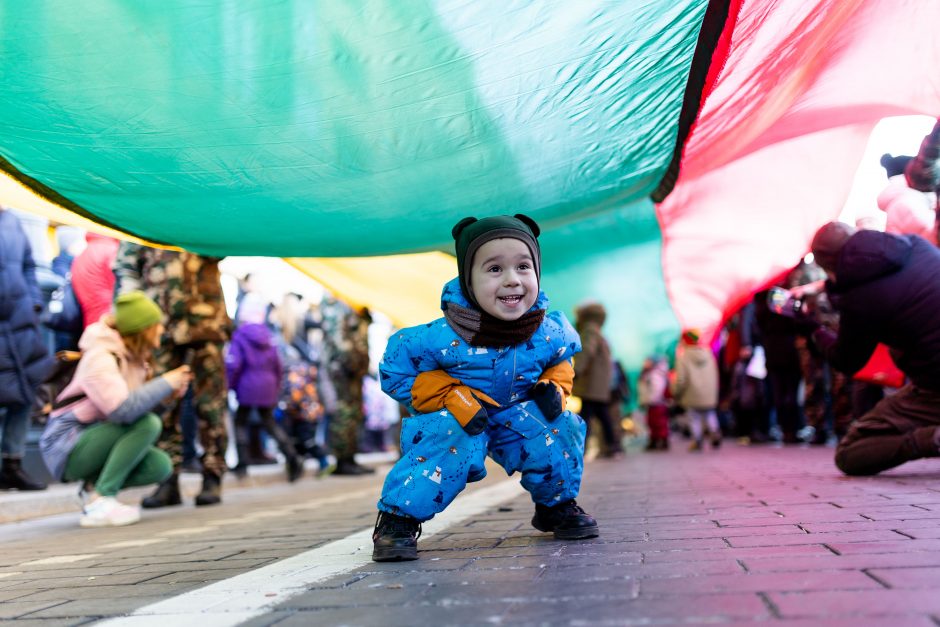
[(828, 243), (134, 312), (470, 233)]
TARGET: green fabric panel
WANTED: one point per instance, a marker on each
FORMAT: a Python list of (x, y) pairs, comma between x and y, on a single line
[(590, 261), (327, 128)]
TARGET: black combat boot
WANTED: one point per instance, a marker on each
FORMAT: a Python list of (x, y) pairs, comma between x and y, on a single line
[(295, 467), (395, 538), (166, 494), (13, 477), (567, 520), (211, 489), (347, 466)]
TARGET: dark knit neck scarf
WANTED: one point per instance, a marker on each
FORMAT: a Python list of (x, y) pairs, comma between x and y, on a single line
[(479, 328)]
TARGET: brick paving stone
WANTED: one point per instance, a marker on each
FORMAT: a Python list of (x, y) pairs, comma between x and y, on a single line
[(869, 602), (928, 577), (841, 562), (738, 553), (899, 546), (16, 609), (874, 535), (865, 524), (723, 532), (767, 582)]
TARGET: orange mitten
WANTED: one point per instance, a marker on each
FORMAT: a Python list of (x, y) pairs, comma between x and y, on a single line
[(436, 389)]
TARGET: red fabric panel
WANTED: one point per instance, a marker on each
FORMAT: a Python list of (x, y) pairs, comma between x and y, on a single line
[(779, 137)]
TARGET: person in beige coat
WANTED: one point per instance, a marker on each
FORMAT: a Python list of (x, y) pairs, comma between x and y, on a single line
[(593, 372), (695, 388)]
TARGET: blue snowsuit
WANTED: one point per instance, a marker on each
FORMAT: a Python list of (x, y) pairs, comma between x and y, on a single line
[(439, 458)]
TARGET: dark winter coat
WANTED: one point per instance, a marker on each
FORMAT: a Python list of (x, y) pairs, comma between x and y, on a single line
[(887, 290), (24, 361), (253, 366)]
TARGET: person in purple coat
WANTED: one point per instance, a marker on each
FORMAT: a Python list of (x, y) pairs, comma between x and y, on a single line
[(254, 372)]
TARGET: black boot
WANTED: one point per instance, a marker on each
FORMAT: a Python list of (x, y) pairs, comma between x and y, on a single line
[(395, 538), (211, 489), (166, 494), (567, 520), (348, 466), (13, 477), (295, 467)]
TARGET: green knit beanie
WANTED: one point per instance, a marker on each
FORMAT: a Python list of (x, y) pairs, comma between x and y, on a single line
[(470, 233), (134, 312)]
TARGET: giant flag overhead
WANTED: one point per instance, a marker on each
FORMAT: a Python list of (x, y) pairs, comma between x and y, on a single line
[(303, 128)]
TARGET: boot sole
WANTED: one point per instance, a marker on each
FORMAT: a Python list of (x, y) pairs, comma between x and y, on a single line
[(145, 505), (577, 534), (394, 555)]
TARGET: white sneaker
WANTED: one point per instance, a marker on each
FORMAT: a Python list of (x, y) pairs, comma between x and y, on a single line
[(107, 511)]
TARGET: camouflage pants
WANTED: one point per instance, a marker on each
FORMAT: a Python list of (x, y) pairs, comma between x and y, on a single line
[(347, 420), (209, 401)]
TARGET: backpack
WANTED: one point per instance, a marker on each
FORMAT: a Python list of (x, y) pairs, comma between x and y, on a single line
[(62, 312), (60, 375)]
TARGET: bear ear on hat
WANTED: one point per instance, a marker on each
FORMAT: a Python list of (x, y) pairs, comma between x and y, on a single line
[(528, 222), (460, 226)]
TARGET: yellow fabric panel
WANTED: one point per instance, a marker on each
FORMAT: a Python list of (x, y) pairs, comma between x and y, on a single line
[(16, 196), (406, 288)]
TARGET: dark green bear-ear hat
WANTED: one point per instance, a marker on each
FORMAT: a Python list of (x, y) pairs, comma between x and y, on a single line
[(470, 233)]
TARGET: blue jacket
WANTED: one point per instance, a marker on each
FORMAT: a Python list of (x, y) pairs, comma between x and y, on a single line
[(24, 362), (505, 373)]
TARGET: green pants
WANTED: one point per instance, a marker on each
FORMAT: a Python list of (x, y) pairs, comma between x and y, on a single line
[(114, 456)]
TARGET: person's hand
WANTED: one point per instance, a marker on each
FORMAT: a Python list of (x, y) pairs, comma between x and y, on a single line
[(436, 389), (808, 289), (179, 379)]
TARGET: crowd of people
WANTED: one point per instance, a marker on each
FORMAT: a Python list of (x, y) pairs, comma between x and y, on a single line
[(147, 366), (135, 379), (839, 349)]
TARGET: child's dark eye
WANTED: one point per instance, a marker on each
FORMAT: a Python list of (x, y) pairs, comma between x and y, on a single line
[(494, 269), (524, 266)]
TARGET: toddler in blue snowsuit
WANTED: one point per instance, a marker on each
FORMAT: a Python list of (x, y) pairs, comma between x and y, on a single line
[(489, 378)]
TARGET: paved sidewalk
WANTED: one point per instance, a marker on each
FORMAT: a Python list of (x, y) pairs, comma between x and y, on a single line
[(747, 536)]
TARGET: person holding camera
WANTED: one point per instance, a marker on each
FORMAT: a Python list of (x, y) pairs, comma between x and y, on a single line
[(103, 429), (885, 289)]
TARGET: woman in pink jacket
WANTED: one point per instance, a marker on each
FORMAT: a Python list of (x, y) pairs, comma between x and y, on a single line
[(104, 428)]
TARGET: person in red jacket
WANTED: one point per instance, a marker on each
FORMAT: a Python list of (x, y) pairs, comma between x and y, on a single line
[(92, 277)]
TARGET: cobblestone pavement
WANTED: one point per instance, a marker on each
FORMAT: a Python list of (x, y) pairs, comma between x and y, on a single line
[(748, 536)]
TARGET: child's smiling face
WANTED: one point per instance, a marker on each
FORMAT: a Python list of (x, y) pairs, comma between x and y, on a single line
[(503, 278)]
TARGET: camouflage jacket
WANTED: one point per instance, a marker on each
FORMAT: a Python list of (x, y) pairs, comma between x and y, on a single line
[(186, 286), (345, 340)]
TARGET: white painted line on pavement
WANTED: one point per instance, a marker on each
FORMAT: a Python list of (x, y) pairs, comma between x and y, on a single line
[(60, 559), (246, 596)]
